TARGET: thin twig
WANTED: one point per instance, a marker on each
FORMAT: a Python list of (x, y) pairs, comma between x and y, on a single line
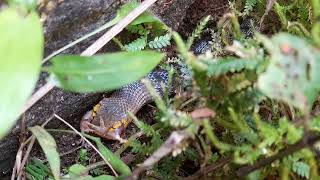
[(85, 139), (93, 48)]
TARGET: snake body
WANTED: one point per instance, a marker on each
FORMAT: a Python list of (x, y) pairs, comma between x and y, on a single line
[(110, 117), (133, 96)]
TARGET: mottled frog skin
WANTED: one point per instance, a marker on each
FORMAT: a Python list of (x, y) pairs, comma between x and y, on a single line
[(109, 118)]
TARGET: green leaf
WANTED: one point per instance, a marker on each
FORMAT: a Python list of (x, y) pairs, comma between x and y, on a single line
[(37, 169), (21, 46), (114, 160), (137, 45), (102, 72), (293, 73), (49, 148), (250, 4), (301, 168), (160, 41)]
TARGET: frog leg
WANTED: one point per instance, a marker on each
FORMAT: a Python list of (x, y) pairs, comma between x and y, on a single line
[(105, 132)]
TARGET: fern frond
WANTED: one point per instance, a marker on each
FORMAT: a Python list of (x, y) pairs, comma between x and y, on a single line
[(177, 119), (224, 66), (216, 43), (145, 128), (238, 82), (197, 32), (281, 11), (136, 45), (301, 168), (139, 148), (160, 41), (137, 29), (250, 4)]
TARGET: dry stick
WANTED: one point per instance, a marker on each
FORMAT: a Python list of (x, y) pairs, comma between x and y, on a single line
[(87, 141), (24, 161), (93, 48)]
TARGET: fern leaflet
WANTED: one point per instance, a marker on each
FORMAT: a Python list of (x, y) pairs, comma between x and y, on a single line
[(301, 168), (145, 128), (250, 4), (197, 32), (137, 45), (160, 41)]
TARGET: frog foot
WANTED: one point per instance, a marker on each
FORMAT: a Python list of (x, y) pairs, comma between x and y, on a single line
[(103, 131)]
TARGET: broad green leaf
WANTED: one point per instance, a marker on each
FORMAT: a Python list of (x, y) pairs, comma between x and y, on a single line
[(293, 73), (114, 160), (21, 46), (49, 148), (102, 72)]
